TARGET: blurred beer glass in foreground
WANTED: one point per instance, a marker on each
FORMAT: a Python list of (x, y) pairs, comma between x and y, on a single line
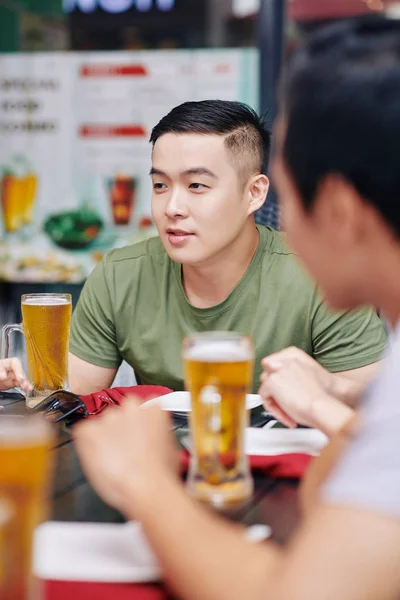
[(6, 514), (218, 374), (25, 471), (46, 320)]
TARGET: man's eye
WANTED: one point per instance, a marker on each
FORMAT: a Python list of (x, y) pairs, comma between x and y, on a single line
[(159, 186), (197, 186)]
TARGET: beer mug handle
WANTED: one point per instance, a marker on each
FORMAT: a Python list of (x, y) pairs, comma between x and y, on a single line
[(5, 338)]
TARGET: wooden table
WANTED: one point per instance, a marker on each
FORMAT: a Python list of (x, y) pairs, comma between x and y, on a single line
[(273, 503)]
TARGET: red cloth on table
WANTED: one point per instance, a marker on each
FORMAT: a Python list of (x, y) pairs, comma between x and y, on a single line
[(284, 466), (97, 402), (83, 590)]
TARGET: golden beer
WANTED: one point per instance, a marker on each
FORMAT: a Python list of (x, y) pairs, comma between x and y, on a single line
[(218, 374), (46, 321), (25, 470)]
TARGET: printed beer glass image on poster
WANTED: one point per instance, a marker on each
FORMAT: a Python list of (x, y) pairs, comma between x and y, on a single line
[(18, 193), (122, 191)]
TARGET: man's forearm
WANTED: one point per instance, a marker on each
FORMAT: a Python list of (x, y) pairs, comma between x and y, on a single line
[(347, 390), (349, 386), (330, 415), (202, 556)]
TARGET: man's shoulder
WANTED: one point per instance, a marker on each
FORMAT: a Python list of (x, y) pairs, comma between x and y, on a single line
[(150, 249), (274, 244), (278, 256), (141, 253), (125, 266)]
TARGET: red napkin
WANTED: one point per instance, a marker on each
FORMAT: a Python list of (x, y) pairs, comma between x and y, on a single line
[(283, 466), (78, 590), (97, 402)]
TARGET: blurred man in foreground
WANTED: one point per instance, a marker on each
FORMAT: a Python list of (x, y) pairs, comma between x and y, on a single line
[(337, 170)]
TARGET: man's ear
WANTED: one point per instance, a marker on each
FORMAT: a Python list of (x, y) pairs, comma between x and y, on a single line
[(257, 190)]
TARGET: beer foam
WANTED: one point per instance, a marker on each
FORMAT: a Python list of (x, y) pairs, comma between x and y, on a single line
[(218, 351), (23, 431), (45, 301)]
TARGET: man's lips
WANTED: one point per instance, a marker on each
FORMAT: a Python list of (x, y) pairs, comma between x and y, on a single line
[(172, 231), (178, 236)]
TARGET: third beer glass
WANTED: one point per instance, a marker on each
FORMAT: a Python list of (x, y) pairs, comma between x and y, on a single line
[(46, 320), (25, 473), (218, 374)]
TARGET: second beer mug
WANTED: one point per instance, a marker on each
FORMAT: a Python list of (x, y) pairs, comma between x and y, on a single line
[(218, 374), (46, 320)]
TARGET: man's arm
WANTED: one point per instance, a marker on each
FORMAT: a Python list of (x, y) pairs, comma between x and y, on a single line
[(313, 396), (308, 393), (85, 378), (350, 385), (94, 356), (340, 552)]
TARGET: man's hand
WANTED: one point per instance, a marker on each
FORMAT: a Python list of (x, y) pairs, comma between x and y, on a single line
[(12, 375), (127, 447), (296, 390)]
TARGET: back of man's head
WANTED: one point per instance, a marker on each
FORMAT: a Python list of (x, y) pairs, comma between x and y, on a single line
[(342, 106), (247, 140)]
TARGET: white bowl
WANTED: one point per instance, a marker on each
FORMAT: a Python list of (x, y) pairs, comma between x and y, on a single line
[(180, 401)]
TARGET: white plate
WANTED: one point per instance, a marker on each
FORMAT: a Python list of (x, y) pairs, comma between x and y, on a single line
[(272, 442), (102, 552), (180, 401)]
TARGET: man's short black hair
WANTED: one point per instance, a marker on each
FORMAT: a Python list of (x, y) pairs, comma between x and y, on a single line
[(342, 107), (246, 137)]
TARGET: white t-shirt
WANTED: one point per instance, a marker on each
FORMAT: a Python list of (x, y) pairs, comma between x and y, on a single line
[(368, 475)]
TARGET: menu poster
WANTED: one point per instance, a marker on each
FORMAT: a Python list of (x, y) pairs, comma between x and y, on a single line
[(75, 153)]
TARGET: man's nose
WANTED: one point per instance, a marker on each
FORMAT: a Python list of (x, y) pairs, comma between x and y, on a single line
[(176, 206)]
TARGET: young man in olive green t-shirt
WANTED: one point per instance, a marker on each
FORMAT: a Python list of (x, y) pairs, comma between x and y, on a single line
[(211, 268)]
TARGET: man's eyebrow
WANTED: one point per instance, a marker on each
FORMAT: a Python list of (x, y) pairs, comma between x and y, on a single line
[(154, 171), (200, 171)]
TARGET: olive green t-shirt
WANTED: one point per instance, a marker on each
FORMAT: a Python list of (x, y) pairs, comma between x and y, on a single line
[(133, 307)]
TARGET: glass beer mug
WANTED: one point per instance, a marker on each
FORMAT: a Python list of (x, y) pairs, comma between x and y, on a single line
[(46, 320), (218, 375)]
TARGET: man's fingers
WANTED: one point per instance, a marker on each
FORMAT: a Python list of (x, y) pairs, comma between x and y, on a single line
[(271, 364), (12, 374), (272, 407), (16, 367), (266, 392)]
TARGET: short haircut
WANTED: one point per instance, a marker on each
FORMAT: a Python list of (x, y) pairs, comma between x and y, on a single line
[(341, 96), (246, 137)]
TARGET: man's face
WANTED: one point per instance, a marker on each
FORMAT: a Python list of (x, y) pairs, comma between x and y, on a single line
[(324, 238), (199, 203)]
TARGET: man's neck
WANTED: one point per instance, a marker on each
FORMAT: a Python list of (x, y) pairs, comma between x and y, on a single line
[(390, 304), (211, 283), (385, 288)]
